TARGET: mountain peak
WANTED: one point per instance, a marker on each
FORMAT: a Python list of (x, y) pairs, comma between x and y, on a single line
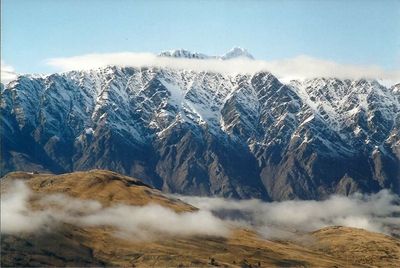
[(182, 53), (237, 52)]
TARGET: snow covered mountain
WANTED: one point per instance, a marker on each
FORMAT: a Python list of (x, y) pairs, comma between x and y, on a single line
[(207, 133), (237, 52), (182, 53), (234, 53)]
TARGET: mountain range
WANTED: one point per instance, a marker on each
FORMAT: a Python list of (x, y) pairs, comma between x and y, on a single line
[(207, 133), (234, 53)]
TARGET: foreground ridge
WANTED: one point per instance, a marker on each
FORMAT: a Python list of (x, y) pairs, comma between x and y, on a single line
[(71, 244)]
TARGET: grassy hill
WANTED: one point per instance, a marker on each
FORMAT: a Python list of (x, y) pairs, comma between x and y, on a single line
[(70, 244)]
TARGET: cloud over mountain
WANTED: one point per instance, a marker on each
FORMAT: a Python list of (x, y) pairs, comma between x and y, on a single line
[(140, 222), (300, 67), (376, 212), (7, 72)]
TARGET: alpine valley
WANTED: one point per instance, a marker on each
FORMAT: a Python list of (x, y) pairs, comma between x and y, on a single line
[(207, 133)]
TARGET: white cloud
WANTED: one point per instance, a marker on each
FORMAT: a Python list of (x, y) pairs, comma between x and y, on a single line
[(7, 73), (377, 212), (300, 67), (15, 215), (144, 222), (140, 222)]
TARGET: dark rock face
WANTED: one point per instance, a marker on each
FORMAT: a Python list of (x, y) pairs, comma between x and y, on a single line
[(204, 133)]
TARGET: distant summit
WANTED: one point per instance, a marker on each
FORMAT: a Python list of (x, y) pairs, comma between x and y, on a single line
[(183, 53), (236, 52)]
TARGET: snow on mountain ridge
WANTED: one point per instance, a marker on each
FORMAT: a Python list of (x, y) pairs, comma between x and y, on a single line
[(234, 53), (142, 108), (237, 52), (202, 95), (183, 53)]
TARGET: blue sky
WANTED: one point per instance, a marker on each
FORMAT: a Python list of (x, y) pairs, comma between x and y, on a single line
[(354, 32)]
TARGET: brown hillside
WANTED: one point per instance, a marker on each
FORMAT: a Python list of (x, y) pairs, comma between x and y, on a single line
[(70, 245)]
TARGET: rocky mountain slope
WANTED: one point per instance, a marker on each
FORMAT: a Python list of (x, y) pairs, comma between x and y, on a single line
[(206, 133), (72, 244)]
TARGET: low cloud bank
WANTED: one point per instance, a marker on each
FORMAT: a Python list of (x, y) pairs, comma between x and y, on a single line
[(300, 67), (376, 212), (140, 222)]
